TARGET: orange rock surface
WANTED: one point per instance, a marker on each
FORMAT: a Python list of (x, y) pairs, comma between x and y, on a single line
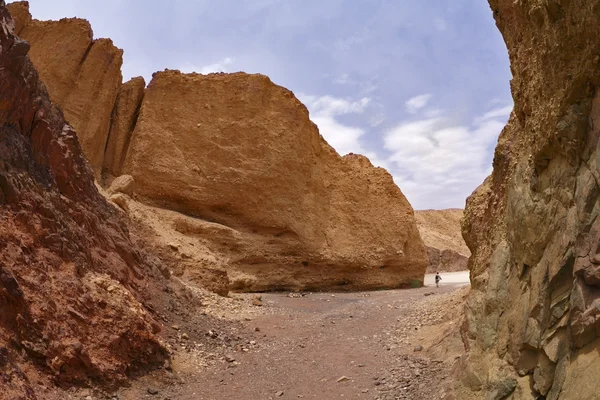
[(83, 76), (240, 151)]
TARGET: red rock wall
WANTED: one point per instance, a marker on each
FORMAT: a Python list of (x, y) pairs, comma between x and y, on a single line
[(70, 278)]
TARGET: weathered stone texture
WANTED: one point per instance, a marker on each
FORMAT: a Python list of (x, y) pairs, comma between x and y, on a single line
[(532, 226)]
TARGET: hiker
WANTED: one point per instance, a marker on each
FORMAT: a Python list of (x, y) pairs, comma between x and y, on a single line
[(438, 278)]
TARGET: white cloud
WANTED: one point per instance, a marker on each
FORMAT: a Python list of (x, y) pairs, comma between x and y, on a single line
[(438, 163), (325, 110), (416, 103), (343, 79), (220, 66), (501, 112), (440, 24)]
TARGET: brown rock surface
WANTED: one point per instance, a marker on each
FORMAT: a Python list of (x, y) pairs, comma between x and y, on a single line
[(71, 281), (441, 233), (83, 76), (533, 227), (124, 118), (241, 152)]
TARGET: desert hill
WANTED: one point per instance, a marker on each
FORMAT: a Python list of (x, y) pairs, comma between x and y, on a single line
[(441, 233)]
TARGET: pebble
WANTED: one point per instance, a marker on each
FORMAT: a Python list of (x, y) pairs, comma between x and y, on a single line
[(279, 394), (152, 391), (343, 379)]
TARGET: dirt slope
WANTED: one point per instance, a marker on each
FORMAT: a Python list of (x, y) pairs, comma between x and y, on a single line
[(533, 321), (441, 233)]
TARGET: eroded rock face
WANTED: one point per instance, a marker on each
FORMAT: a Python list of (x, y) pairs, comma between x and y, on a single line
[(124, 118), (237, 150), (533, 316), (83, 76), (70, 278), (441, 233)]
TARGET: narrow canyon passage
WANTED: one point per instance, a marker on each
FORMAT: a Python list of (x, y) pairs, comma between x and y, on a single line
[(325, 346)]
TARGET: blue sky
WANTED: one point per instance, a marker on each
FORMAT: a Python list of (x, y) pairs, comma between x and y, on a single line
[(420, 87)]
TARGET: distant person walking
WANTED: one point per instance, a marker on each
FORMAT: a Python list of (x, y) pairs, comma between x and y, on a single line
[(438, 278)]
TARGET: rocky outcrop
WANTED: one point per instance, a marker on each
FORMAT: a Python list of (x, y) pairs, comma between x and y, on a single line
[(124, 118), (71, 281), (83, 76), (241, 152), (533, 317), (441, 233)]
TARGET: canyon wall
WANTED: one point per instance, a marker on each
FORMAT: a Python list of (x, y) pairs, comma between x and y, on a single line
[(72, 284), (234, 151), (82, 75), (441, 233), (240, 151), (533, 317)]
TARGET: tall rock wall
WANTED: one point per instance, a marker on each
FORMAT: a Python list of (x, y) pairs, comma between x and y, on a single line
[(533, 318), (237, 150), (71, 281), (83, 75)]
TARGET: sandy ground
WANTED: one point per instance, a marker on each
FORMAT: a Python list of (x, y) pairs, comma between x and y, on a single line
[(449, 278), (364, 345)]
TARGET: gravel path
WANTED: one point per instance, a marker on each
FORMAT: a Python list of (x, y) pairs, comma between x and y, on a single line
[(320, 346)]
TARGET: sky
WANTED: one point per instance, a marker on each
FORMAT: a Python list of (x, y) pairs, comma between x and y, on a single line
[(421, 87)]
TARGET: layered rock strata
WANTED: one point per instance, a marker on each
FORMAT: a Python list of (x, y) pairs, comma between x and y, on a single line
[(533, 318), (441, 233), (71, 281)]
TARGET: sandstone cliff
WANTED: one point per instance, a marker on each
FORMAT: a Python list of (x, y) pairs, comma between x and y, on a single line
[(238, 151), (441, 233), (71, 281), (234, 154), (533, 318), (82, 75)]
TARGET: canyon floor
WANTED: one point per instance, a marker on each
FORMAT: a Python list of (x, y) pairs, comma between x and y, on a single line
[(397, 344)]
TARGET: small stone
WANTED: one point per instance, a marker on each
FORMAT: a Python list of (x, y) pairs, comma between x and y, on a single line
[(419, 348), (279, 394), (343, 379), (365, 391), (257, 301), (176, 327), (152, 391), (257, 329), (229, 358), (185, 336)]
